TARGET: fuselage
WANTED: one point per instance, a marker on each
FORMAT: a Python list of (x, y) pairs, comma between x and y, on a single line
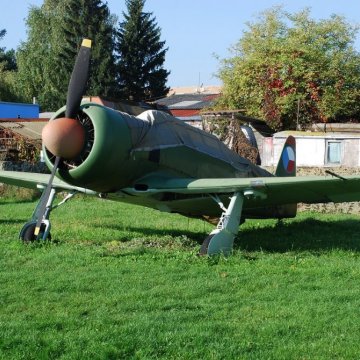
[(123, 151)]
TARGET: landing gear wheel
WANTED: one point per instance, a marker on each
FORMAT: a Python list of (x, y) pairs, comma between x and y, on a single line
[(27, 233), (205, 245)]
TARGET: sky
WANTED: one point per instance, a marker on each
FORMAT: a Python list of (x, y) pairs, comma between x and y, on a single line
[(197, 32)]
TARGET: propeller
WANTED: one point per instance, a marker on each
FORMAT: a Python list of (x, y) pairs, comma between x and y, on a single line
[(65, 137)]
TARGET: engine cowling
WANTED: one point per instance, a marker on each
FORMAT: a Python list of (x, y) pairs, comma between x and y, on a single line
[(104, 163)]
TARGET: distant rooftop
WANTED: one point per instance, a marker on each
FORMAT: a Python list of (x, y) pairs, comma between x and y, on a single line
[(210, 89), (187, 101), (18, 110), (28, 128)]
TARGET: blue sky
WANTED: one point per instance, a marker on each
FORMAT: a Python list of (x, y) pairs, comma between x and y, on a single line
[(194, 30)]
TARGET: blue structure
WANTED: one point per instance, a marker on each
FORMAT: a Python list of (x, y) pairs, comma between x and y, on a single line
[(18, 111)]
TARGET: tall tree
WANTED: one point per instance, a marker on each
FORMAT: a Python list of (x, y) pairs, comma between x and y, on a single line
[(92, 19), (290, 68), (40, 73), (7, 58), (55, 31), (7, 73), (141, 55)]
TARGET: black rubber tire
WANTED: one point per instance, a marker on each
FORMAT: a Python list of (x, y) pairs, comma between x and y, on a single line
[(28, 233), (205, 245)]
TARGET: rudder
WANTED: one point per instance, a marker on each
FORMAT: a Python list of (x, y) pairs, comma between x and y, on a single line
[(287, 162)]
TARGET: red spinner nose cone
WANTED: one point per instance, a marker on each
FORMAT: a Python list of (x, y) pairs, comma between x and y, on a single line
[(64, 137)]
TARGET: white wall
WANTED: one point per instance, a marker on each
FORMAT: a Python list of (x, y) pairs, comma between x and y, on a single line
[(311, 150)]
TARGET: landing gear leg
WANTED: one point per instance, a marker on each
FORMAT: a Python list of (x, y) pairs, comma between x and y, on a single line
[(28, 231), (221, 240)]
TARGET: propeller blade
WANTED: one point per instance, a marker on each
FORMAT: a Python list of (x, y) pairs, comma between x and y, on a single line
[(64, 137), (78, 79), (45, 198)]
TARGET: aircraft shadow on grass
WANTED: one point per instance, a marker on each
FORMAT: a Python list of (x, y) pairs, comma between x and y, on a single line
[(11, 221), (20, 201), (196, 236), (306, 235)]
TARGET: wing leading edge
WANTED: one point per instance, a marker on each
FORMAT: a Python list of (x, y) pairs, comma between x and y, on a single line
[(36, 180), (264, 190)]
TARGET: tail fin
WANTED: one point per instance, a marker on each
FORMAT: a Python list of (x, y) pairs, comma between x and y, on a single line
[(287, 162)]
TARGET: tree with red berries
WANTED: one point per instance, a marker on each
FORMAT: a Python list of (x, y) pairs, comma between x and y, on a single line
[(293, 71)]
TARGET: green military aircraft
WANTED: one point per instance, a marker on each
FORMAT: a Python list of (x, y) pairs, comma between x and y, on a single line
[(156, 161)]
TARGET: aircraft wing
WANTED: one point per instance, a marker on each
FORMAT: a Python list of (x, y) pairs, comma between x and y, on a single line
[(36, 180), (263, 190)]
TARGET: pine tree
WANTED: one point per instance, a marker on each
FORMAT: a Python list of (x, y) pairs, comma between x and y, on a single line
[(141, 55), (92, 19)]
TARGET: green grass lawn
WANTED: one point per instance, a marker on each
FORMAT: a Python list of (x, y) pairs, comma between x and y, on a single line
[(124, 282)]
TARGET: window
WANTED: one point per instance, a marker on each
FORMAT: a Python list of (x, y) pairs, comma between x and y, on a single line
[(333, 152)]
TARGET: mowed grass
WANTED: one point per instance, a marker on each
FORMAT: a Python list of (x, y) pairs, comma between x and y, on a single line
[(125, 282)]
